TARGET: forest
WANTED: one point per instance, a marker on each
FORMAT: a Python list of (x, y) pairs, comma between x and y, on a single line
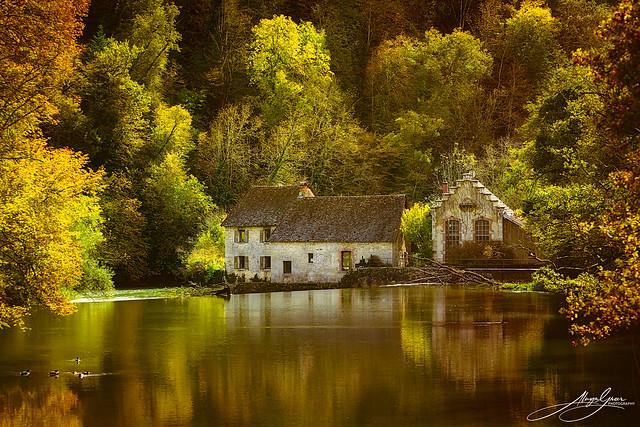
[(129, 127)]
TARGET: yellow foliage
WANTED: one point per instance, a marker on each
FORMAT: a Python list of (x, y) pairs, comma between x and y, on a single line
[(41, 195)]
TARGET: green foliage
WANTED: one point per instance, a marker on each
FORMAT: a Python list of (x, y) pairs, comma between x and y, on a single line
[(205, 263), (416, 228), (115, 109), (175, 206), (427, 77), (153, 32), (530, 39), (562, 219), (126, 247), (285, 59), (566, 143), (88, 228), (172, 131)]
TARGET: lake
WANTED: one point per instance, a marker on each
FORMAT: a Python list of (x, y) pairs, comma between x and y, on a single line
[(394, 356)]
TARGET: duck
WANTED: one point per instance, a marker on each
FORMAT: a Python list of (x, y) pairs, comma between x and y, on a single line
[(82, 374), (25, 373), (55, 373)]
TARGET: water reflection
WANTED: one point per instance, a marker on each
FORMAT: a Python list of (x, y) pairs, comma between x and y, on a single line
[(414, 356)]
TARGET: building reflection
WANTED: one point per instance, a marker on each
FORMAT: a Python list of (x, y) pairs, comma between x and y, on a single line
[(445, 356)]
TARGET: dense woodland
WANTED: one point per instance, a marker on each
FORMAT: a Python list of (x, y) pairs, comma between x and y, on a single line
[(128, 127)]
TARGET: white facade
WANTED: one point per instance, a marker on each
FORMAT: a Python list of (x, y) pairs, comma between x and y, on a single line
[(319, 262)]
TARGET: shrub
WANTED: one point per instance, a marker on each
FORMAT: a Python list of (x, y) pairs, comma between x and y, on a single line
[(469, 252)]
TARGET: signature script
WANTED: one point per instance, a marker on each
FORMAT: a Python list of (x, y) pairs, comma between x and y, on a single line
[(580, 408)]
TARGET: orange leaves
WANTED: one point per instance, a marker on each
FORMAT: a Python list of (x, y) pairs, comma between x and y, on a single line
[(37, 50)]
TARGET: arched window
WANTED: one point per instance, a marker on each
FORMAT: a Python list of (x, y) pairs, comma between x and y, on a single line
[(452, 232), (481, 230)]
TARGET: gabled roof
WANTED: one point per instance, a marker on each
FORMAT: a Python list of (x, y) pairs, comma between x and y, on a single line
[(507, 212), (262, 206), (342, 219)]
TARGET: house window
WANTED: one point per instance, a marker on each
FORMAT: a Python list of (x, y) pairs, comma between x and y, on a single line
[(286, 267), (265, 263), (345, 260), (241, 262), (265, 235), (241, 236), (481, 230), (310, 257), (452, 232)]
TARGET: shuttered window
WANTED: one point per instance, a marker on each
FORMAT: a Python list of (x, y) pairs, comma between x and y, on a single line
[(265, 235), (265, 263), (241, 262), (241, 236)]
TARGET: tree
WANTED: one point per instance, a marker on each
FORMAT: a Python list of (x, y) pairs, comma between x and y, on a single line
[(426, 77), (153, 32), (416, 228), (125, 248), (565, 144), (427, 103), (225, 156), (597, 312), (285, 59), (115, 109), (176, 207), (42, 198), (37, 51)]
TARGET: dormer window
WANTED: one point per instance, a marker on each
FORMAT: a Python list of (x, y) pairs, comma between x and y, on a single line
[(241, 236), (265, 235)]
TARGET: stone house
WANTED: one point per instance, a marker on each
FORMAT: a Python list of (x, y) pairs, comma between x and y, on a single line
[(286, 234), (469, 212)]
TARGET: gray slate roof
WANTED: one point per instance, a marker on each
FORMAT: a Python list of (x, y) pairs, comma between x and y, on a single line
[(320, 218), (342, 219), (261, 206)]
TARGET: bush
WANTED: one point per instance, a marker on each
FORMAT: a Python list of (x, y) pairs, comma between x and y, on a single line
[(492, 250), (95, 277)]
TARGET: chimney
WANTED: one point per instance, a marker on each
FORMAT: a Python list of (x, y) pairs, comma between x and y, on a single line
[(304, 190), (469, 175), (445, 187)]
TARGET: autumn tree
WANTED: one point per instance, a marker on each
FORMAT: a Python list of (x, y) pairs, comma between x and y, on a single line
[(42, 201), (49, 223), (37, 51), (615, 304), (225, 155)]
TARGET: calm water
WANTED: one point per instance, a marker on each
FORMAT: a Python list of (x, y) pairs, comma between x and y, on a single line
[(380, 357)]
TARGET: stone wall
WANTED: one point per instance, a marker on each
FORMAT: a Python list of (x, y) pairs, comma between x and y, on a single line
[(466, 203), (325, 265), (253, 249)]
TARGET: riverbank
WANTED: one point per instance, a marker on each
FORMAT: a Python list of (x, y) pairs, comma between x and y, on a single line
[(360, 278)]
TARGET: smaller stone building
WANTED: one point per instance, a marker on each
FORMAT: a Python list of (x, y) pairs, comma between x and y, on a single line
[(286, 234), (469, 212)]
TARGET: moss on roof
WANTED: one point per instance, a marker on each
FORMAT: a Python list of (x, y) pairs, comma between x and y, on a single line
[(342, 219), (261, 206), (318, 219)]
